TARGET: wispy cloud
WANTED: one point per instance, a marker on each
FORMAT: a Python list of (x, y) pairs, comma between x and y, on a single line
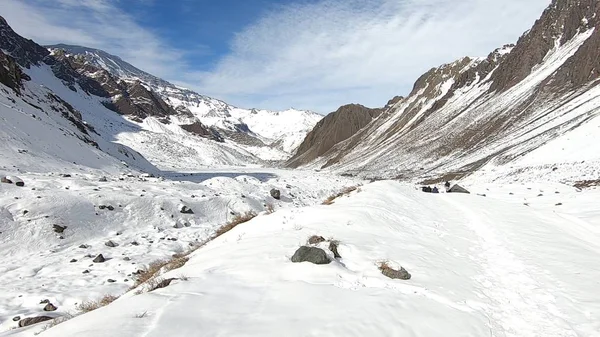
[(314, 54), (94, 23), (322, 54)]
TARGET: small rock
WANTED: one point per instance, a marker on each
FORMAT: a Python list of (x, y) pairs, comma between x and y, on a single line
[(102, 207), (65, 175), (33, 320), (127, 258), (84, 246), (559, 204), (103, 180), (401, 274), (185, 210), (87, 271), (25, 211), (111, 280), (275, 193), (61, 237), (134, 243), (110, 243), (99, 259), (45, 301), (73, 260), (315, 239), (50, 307), (110, 208), (125, 280), (58, 228), (16, 318), (333, 247), (310, 254)]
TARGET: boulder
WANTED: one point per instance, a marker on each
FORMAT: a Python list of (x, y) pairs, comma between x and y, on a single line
[(103, 179), (50, 307), (275, 193), (99, 259), (310, 254), (110, 243), (185, 209), (58, 228), (33, 320), (458, 189), (12, 180), (426, 189)]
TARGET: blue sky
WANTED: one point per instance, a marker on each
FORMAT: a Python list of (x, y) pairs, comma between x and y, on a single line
[(306, 54)]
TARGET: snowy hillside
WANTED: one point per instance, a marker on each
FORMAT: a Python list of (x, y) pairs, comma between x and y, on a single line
[(518, 106), (478, 269), (269, 135)]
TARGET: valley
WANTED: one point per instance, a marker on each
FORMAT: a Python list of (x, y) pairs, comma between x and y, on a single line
[(132, 206)]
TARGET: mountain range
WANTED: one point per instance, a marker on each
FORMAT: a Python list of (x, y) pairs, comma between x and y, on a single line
[(511, 111)]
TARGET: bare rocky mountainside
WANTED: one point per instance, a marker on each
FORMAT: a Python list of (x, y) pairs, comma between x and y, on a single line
[(508, 109)]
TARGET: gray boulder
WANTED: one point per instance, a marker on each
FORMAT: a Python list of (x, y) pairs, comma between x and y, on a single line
[(50, 307), (311, 254), (99, 259), (33, 320), (110, 243), (275, 193), (59, 228), (458, 189)]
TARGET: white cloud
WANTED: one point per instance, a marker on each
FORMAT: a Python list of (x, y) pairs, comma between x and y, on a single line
[(323, 54), (93, 23), (316, 54)]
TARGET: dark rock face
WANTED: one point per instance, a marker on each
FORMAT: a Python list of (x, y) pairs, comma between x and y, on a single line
[(24, 51), (201, 130), (275, 193), (311, 254), (33, 320), (331, 130), (10, 73)]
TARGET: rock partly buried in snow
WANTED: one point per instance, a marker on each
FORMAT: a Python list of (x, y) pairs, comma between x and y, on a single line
[(12, 180), (99, 259), (458, 189), (84, 246), (388, 271), (103, 179), (50, 307), (311, 254), (58, 228), (162, 284), (333, 247), (33, 320), (110, 243), (275, 193), (185, 209), (16, 318), (315, 239)]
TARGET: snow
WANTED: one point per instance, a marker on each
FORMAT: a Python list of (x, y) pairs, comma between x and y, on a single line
[(481, 266)]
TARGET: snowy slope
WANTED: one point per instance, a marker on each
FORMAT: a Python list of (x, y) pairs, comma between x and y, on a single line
[(480, 267)]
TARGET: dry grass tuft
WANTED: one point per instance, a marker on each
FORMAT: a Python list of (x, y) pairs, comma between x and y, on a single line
[(237, 220), (347, 190), (88, 306), (270, 208)]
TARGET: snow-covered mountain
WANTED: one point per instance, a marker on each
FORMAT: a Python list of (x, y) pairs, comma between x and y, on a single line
[(508, 111), (267, 134)]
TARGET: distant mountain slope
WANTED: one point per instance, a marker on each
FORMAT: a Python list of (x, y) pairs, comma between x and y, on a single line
[(489, 111), (255, 130)]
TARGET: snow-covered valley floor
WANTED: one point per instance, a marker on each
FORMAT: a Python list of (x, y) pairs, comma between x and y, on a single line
[(521, 261)]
